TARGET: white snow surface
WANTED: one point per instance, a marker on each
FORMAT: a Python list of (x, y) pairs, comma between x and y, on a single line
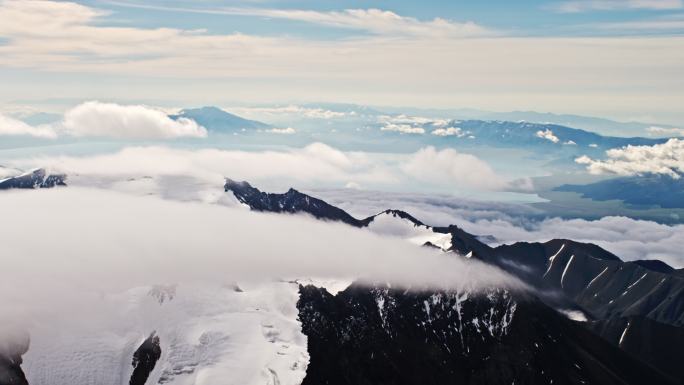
[(389, 224), (209, 335)]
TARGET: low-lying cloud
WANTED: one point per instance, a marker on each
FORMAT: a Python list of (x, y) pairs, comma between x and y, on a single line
[(315, 164), (94, 243), (665, 159), (628, 238)]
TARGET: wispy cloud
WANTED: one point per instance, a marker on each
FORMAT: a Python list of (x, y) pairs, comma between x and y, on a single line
[(64, 37), (662, 131), (613, 5), (372, 20), (660, 24)]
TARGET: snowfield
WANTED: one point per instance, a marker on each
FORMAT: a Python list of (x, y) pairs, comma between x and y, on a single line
[(232, 334)]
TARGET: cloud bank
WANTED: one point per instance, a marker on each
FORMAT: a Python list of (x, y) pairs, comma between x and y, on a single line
[(314, 164), (452, 167), (95, 243), (665, 159), (627, 238)]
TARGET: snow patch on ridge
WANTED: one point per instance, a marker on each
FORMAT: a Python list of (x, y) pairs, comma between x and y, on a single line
[(391, 224)]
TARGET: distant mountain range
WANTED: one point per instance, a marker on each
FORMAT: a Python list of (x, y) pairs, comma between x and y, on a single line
[(607, 291), (644, 191), (217, 120)]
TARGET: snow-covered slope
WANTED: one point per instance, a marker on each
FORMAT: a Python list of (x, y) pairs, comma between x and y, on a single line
[(208, 335), (399, 224)]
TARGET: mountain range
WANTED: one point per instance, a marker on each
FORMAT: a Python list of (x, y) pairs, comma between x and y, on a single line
[(590, 318), (608, 294)]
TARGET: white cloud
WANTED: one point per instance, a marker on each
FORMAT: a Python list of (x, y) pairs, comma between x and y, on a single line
[(96, 243), (285, 131), (13, 127), (666, 159), (548, 135), (402, 128), (661, 131), (314, 165), (95, 119), (570, 143), (379, 22), (376, 21), (449, 131), (451, 167), (613, 5)]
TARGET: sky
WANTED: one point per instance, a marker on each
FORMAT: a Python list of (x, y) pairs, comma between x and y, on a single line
[(618, 59)]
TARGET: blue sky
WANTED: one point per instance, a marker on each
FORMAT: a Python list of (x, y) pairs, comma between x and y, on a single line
[(614, 58), (523, 17)]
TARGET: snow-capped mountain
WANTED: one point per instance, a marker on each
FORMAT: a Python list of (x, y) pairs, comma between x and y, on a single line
[(388, 222), (38, 178), (595, 284)]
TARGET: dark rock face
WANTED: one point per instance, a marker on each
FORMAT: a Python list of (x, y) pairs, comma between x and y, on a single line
[(380, 335), (657, 344), (33, 179), (144, 360), (290, 202), (12, 348)]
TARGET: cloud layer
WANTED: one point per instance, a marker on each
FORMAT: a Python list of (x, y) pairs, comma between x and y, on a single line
[(95, 243), (627, 238), (666, 159), (315, 164)]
